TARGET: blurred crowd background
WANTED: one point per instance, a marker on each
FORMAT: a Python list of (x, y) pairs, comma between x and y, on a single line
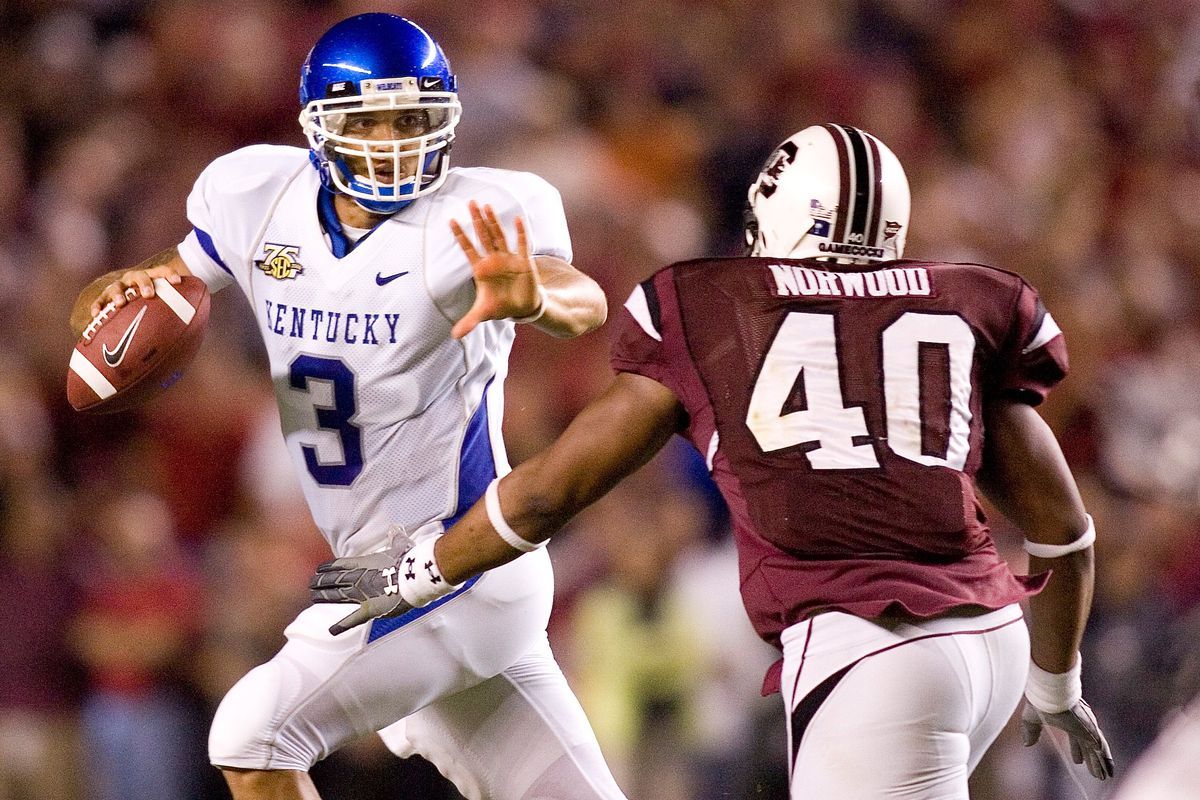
[(148, 560)]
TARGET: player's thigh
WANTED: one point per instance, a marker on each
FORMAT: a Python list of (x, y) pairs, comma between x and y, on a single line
[(519, 735), (894, 726), (998, 666), (321, 690), (932, 696)]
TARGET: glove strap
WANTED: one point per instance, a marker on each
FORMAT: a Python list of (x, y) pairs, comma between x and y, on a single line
[(491, 501), (418, 578), (1054, 692), (1058, 550)]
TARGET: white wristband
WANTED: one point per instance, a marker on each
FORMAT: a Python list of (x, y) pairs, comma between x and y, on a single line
[(1058, 550), (539, 311), (1054, 692), (491, 501), (418, 578)]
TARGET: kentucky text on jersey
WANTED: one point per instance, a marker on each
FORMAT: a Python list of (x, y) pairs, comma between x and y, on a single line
[(350, 327), (791, 281)]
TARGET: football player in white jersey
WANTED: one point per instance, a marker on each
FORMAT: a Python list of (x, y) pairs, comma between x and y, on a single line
[(388, 331)]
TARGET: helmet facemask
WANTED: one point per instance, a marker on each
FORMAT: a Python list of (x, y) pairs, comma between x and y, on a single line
[(383, 175)]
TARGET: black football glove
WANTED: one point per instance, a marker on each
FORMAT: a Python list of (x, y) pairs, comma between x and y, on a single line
[(369, 581), (1088, 744)]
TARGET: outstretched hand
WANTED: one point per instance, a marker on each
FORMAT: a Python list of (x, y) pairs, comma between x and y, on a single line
[(506, 282)]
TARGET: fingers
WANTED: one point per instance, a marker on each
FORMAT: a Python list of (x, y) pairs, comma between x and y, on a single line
[(464, 242), (1099, 762), (1031, 726), (1076, 750), (346, 563), (487, 228), (522, 239), (374, 608), (352, 620), (496, 237), (116, 293), (1030, 732), (467, 323), (329, 580), (139, 279), (134, 283), (488, 231), (166, 273)]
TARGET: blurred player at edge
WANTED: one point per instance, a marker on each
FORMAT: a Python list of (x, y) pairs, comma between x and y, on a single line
[(388, 332), (844, 400)]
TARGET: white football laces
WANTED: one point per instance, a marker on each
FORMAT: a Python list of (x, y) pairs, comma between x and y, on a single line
[(105, 313)]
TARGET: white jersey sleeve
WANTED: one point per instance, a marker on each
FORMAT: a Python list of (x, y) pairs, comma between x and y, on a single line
[(229, 206), (510, 194)]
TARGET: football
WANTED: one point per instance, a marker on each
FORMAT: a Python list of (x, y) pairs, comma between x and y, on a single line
[(130, 354)]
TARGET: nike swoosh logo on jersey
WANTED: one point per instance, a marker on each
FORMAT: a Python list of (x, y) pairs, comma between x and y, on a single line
[(383, 280), (115, 356)]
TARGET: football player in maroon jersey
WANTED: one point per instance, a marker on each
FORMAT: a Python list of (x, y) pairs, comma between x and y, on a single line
[(849, 403)]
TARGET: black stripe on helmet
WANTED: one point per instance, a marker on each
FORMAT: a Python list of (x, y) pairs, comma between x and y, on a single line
[(874, 234), (839, 140), (863, 194)]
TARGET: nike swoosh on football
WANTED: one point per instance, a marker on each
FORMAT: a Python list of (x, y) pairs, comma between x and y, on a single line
[(382, 279), (114, 357)]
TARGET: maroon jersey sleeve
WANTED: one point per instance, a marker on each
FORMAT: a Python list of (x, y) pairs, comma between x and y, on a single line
[(1034, 356), (637, 342), (648, 341)]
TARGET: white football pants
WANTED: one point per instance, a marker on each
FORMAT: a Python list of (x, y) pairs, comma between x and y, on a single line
[(890, 709), (474, 675)]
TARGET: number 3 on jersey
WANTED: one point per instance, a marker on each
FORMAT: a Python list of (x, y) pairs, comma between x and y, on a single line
[(805, 350), (335, 417)]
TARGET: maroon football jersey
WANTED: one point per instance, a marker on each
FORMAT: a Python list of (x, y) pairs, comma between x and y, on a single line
[(841, 412)]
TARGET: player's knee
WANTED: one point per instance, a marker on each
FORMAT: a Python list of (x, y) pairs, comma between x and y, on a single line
[(245, 732)]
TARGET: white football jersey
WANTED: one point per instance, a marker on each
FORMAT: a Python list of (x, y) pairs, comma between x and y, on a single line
[(388, 420)]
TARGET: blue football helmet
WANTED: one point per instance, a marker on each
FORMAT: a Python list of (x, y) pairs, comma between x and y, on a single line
[(369, 66)]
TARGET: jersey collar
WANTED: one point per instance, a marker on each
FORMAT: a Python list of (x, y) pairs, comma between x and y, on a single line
[(339, 242)]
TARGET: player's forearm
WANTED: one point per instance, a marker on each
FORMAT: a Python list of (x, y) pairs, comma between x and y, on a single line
[(1059, 613), (574, 303), (533, 502), (1027, 477), (610, 439)]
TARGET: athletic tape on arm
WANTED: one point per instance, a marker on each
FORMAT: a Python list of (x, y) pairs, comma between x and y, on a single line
[(491, 501), (1054, 692), (1057, 550)]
